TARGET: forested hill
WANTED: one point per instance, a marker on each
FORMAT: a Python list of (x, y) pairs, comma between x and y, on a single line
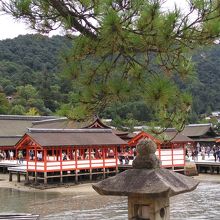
[(30, 69), (34, 51), (206, 91)]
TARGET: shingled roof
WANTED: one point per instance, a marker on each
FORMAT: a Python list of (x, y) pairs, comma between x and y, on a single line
[(75, 137), (198, 130), (13, 125), (97, 123), (9, 141), (170, 135), (65, 123), (175, 136), (59, 123)]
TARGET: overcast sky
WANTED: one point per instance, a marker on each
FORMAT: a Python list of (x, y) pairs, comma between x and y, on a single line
[(10, 28)]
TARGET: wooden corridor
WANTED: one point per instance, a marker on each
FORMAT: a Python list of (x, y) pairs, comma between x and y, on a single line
[(208, 167)]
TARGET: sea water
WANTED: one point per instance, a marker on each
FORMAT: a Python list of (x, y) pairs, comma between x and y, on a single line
[(202, 203)]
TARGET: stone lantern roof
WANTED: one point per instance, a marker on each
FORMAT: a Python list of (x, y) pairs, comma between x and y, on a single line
[(146, 178)]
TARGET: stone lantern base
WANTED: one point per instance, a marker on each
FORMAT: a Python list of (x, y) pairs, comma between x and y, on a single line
[(142, 208)]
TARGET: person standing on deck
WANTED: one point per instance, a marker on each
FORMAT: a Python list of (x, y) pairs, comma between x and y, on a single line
[(203, 152), (64, 156), (4, 156), (20, 157), (11, 155), (215, 154), (208, 149), (1, 155), (39, 156), (32, 154), (218, 154), (196, 154)]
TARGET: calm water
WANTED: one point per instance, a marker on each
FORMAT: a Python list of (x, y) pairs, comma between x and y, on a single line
[(12, 200), (202, 203)]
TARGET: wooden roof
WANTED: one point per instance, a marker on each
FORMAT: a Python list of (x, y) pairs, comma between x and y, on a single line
[(169, 135), (9, 141), (74, 137), (175, 136), (198, 130), (97, 123), (25, 117), (143, 135), (13, 125), (59, 123), (65, 123)]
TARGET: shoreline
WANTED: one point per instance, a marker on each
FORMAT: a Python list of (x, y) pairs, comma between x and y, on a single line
[(75, 188), (81, 188), (57, 200), (204, 177)]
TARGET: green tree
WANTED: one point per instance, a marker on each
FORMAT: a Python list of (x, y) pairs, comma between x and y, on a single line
[(9, 89), (4, 104), (32, 111), (28, 97), (34, 60), (17, 110), (26, 93), (125, 44)]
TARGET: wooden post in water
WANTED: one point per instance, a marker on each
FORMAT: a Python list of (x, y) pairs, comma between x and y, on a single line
[(18, 177), (35, 179), (27, 177), (10, 176), (4, 169), (45, 178)]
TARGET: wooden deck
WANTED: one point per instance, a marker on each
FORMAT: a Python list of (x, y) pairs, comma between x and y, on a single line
[(203, 166), (38, 171), (56, 170), (208, 167), (4, 164), (123, 167)]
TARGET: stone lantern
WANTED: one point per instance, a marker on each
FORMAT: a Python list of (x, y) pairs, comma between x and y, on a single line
[(147, 186)]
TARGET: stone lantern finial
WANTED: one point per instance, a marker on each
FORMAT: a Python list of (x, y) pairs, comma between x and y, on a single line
[(146, 157)]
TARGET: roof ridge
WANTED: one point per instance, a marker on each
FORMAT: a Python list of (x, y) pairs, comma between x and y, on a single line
[(11, 136), (25, 117), (49, 120), (194, 125), (55, 130)]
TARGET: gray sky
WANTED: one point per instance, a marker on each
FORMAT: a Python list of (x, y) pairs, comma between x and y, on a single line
[(11, 28)]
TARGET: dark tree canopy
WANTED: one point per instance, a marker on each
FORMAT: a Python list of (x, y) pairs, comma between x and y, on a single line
[(127, 48)]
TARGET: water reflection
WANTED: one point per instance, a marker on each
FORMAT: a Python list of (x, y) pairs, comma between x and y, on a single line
[(202, 203), (18, 201), (116, 211)]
